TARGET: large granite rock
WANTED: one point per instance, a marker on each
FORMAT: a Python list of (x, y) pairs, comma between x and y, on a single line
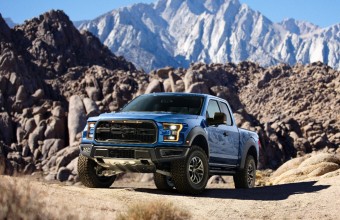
[(76, 118)]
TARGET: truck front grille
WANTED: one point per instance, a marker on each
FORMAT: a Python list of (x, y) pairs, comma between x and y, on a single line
[(127, 131)]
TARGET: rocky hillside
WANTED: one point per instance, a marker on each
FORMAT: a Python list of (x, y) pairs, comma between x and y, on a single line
[(53, 77), (299, 107), (179, 32), (44, 65)]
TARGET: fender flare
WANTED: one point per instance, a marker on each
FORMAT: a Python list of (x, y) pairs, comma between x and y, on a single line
[(196, 131), (245, 149)]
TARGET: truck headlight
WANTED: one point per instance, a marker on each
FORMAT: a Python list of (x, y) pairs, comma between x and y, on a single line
[(173, 131), (90, 130)]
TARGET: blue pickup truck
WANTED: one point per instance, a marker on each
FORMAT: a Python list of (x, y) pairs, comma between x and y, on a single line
[(182, 138)]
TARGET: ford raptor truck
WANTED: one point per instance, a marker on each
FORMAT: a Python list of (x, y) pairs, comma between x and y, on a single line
[(181, 138)]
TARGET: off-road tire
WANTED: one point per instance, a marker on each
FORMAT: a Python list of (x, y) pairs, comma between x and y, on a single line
[(88, 175), (245, 178), (162, 182), (182, 177)]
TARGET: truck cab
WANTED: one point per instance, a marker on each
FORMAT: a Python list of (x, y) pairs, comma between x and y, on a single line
[(182, 138)]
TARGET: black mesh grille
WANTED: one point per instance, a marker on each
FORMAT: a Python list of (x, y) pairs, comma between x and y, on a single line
[(126, 131)]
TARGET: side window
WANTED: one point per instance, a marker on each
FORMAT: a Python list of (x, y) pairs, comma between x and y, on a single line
[(212, 108), (226, 111)]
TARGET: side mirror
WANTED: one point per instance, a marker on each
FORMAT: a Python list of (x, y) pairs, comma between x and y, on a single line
[(219, 118)]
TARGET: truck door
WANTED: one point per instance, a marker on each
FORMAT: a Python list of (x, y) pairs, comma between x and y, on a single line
[(231, 136), (220, 138), (214, 138)]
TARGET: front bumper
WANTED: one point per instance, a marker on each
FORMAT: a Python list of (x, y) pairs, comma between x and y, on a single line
[(156, 154)]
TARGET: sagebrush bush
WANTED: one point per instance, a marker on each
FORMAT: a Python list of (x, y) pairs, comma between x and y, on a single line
[(156, 210), (19, 202)]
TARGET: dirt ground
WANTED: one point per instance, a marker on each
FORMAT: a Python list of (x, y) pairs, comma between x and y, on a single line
[(304, 200)]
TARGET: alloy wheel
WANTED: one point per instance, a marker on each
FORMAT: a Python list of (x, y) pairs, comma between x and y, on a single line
[(196, 170), (251, 174)]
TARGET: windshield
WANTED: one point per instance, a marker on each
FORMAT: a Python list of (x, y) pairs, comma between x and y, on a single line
[(170, 104)]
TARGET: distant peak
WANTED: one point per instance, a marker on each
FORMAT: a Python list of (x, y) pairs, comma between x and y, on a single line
[(286, 20), (10, 22), (298, 27), (292, 20), (50, 19), (58, 15), (53, 16), (198, 3), (196, 6), (214, 5)]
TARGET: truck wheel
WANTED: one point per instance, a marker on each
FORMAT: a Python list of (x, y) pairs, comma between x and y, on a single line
[(190, 176), (245, 178), (87, 170), (163, 182)]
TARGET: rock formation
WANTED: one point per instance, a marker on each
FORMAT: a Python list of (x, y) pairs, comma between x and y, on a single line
[(309, 167)]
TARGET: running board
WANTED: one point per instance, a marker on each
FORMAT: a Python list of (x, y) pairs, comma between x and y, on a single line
[(222, 169)]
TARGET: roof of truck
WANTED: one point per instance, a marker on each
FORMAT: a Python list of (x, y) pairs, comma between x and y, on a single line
[(180, 94)]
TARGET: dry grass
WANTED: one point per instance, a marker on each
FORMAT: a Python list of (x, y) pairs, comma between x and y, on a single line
[(157, 210), (19, 202), (263, 178)]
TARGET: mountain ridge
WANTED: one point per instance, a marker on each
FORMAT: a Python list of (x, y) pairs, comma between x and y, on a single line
[(177, 33)]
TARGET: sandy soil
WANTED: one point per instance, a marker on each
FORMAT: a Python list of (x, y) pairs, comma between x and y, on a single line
[(305, 200)]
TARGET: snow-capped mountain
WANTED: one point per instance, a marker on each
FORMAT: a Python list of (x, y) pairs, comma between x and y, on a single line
[(178, 32), (299, 27), (77, 24)]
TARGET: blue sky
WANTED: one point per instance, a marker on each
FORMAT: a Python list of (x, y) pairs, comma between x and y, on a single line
[(321, 12)]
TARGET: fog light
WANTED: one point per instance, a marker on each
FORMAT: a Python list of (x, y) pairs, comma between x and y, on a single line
[(86, 150), (169, 138)]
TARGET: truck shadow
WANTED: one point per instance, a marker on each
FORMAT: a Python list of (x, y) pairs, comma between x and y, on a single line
[(266, 193)]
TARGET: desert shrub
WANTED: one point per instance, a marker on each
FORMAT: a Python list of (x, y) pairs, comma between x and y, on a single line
[(263, 177), (156, 210), (19, 202)]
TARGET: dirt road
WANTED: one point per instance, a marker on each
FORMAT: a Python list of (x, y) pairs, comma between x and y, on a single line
[(305, 200)]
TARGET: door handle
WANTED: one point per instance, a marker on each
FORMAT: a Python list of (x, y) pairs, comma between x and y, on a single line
[(225, 134)]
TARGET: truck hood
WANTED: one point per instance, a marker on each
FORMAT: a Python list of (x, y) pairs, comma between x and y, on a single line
[(159, 117)]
